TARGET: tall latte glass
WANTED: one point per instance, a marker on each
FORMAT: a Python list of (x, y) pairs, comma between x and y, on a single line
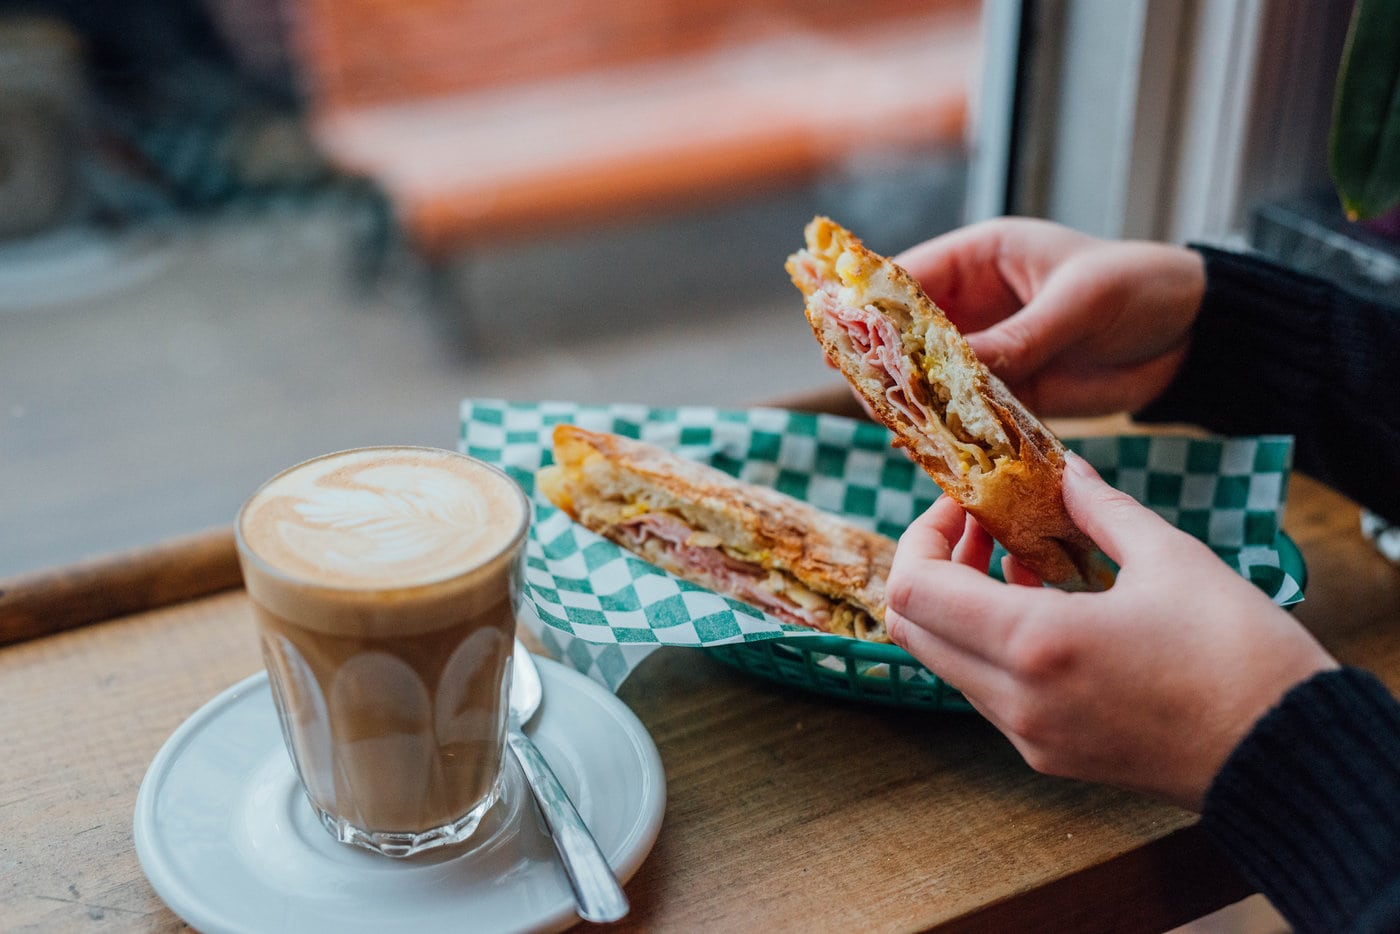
[(384, 583)]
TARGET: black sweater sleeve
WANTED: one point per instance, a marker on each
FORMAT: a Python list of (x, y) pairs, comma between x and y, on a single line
[(1274, 351), (1308, 805)]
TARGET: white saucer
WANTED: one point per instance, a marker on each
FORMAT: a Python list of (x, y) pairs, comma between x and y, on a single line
[(229, 841)]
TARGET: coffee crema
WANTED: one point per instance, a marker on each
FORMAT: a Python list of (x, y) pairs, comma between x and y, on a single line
[(382, 517)]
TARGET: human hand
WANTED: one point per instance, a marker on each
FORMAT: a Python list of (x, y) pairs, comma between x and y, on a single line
[(1148, 685), (1073, 324)]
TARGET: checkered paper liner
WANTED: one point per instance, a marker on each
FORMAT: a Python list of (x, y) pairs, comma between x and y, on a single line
[(601, 609)]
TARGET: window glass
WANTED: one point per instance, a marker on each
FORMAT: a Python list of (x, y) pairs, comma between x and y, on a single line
[(235, 234)]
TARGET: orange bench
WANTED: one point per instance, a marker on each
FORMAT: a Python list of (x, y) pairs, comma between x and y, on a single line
[(484, 119)]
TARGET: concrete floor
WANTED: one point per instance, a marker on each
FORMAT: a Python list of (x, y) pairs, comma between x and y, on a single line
[(148, 383)]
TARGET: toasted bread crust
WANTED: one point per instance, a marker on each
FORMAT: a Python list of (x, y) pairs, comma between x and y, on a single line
[(1020, 500), (596, 475)]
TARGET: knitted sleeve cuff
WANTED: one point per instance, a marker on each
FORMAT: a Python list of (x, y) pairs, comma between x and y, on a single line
[(1275, 351), (1255, 359), (1308, 805)]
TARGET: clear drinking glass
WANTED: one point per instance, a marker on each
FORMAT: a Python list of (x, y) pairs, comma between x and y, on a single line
[(384, 582)]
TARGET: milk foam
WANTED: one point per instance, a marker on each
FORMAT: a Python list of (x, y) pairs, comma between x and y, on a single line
[(380, 517)]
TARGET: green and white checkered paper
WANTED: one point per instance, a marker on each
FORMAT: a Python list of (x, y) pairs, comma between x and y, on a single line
[(602, 609)]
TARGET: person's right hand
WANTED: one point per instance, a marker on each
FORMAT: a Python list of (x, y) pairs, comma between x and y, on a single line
[(1148, 685), (1073, 324)]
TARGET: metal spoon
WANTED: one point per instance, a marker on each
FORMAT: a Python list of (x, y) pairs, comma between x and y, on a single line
[(596, 889)]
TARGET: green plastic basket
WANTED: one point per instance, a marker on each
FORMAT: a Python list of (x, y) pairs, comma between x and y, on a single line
[(874, 672), (881, 673)]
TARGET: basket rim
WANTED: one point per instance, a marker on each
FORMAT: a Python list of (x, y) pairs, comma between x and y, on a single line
[(1290, 560)]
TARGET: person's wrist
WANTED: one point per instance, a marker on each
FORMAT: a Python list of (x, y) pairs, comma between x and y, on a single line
[(1247, 717)]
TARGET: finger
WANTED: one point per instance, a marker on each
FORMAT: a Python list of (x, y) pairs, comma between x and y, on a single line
[(1116, 522), (1052, 321), (961, 605), (1071, 389), (974, 549), (979, 680), (1014, 572), (961, 273), (933, 534)]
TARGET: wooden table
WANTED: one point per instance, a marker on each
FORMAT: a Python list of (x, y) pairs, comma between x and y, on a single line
[(785, 810)]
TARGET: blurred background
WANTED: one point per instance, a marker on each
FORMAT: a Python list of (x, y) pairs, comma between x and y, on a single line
[(238, 233)]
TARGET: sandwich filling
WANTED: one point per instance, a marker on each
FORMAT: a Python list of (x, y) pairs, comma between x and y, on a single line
[(669, 541), (915, 362)]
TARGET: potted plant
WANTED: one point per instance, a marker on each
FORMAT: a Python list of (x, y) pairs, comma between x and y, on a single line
[(1365, 138)]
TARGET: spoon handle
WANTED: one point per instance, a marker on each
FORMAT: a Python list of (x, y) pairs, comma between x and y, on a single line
[(600, 898)]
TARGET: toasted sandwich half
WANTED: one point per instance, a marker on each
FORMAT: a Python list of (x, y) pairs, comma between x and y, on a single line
[(767, 549), (956, 419)]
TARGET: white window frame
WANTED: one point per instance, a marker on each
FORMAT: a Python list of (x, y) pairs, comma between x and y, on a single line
[(1158, 119)]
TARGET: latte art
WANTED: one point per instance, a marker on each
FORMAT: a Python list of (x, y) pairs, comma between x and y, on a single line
[(373, 518), (393, 517), (383, 585)]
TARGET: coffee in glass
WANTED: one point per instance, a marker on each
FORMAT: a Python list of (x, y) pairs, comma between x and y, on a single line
[(384, 582)]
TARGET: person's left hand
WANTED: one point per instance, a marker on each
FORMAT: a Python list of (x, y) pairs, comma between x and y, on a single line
[(1148, 685)]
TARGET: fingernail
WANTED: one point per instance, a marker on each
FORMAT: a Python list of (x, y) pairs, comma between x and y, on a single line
[(1079, 466)]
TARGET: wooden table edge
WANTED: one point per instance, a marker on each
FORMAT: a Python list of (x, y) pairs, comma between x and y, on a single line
[(1177, 878), (49, 601)]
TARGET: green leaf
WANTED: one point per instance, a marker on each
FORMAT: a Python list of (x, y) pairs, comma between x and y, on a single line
[(1365, 142)]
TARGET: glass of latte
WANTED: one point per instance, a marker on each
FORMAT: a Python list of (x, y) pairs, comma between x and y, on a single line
[(384, 582)]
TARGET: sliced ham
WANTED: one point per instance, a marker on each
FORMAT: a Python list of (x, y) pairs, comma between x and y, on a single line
[(669, 537), (876, 340)]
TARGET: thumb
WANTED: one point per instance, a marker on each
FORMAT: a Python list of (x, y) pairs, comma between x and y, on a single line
[(1116, 522)]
